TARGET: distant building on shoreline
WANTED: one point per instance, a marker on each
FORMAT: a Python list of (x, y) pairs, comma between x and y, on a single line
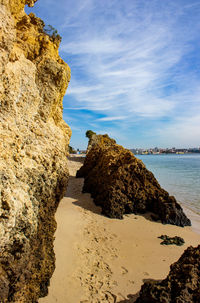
[(157, 151)]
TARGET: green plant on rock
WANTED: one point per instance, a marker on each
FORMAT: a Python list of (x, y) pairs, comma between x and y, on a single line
[(89, 134), (52, 32), (71, 150)]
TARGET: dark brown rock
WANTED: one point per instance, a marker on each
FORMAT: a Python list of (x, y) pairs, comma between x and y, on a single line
[(182, 285), (171, 240), (121, 184)]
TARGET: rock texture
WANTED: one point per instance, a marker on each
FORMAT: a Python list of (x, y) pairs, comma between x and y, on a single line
[(182, 285), (121, 184), (33, 148), (171, 240)]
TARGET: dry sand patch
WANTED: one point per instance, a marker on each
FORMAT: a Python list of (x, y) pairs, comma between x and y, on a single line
[(106, 260)]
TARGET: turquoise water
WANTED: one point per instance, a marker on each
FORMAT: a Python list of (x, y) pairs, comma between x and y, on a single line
[(179, 175)]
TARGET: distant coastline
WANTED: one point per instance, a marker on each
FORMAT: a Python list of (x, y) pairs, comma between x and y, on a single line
[(158, 151), (149, 151)]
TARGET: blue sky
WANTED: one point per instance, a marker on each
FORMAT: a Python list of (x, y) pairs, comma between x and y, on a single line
[(135, 69)]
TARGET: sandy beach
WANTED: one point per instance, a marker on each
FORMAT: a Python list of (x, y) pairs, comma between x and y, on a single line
[(107, 260)]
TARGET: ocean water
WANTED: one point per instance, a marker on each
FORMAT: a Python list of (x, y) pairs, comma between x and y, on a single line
[(179, 175)]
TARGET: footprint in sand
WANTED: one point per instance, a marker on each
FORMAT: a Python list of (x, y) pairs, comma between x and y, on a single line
[(110, 297), (124, 270)]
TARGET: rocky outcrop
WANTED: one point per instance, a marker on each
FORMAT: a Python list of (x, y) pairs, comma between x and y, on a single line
[(121, 184), (171, 240), (33, 148), (182, 285)]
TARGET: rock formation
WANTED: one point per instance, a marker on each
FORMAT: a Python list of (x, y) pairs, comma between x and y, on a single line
[(33, 148), (171, 240), (182, 285), (121, 184)]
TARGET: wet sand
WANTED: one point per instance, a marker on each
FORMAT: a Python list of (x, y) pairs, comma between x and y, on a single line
[(107, 260)]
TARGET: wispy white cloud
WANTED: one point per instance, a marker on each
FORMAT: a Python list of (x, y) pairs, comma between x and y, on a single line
[(176, 133), (132, 60), (92, 46), (112, 118), (129, 69)]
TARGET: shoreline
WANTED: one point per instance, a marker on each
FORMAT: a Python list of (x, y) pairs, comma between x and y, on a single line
[(193, 216), (99, 259)]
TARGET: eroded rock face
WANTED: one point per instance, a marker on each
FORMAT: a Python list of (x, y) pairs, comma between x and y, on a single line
[(121, 184), (182, 285), (33, 148)]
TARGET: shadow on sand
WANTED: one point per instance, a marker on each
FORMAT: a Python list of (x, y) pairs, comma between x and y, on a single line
[(85, 201), (76, 159), (133, 298)]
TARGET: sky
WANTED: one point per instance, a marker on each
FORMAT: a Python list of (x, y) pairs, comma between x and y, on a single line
[(135, 69)]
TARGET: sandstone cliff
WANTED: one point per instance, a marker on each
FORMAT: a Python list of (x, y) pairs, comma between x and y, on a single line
[(182, 285), (33, 148), (121, 184)]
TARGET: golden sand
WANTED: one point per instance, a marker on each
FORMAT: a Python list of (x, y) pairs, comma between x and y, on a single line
[(107, 260)]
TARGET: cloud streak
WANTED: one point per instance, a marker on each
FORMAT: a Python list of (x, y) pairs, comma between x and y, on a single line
[(132, 61)]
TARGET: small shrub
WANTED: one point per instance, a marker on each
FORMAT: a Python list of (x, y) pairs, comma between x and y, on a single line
[(52, 32), (71, 150), (89, 134)]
